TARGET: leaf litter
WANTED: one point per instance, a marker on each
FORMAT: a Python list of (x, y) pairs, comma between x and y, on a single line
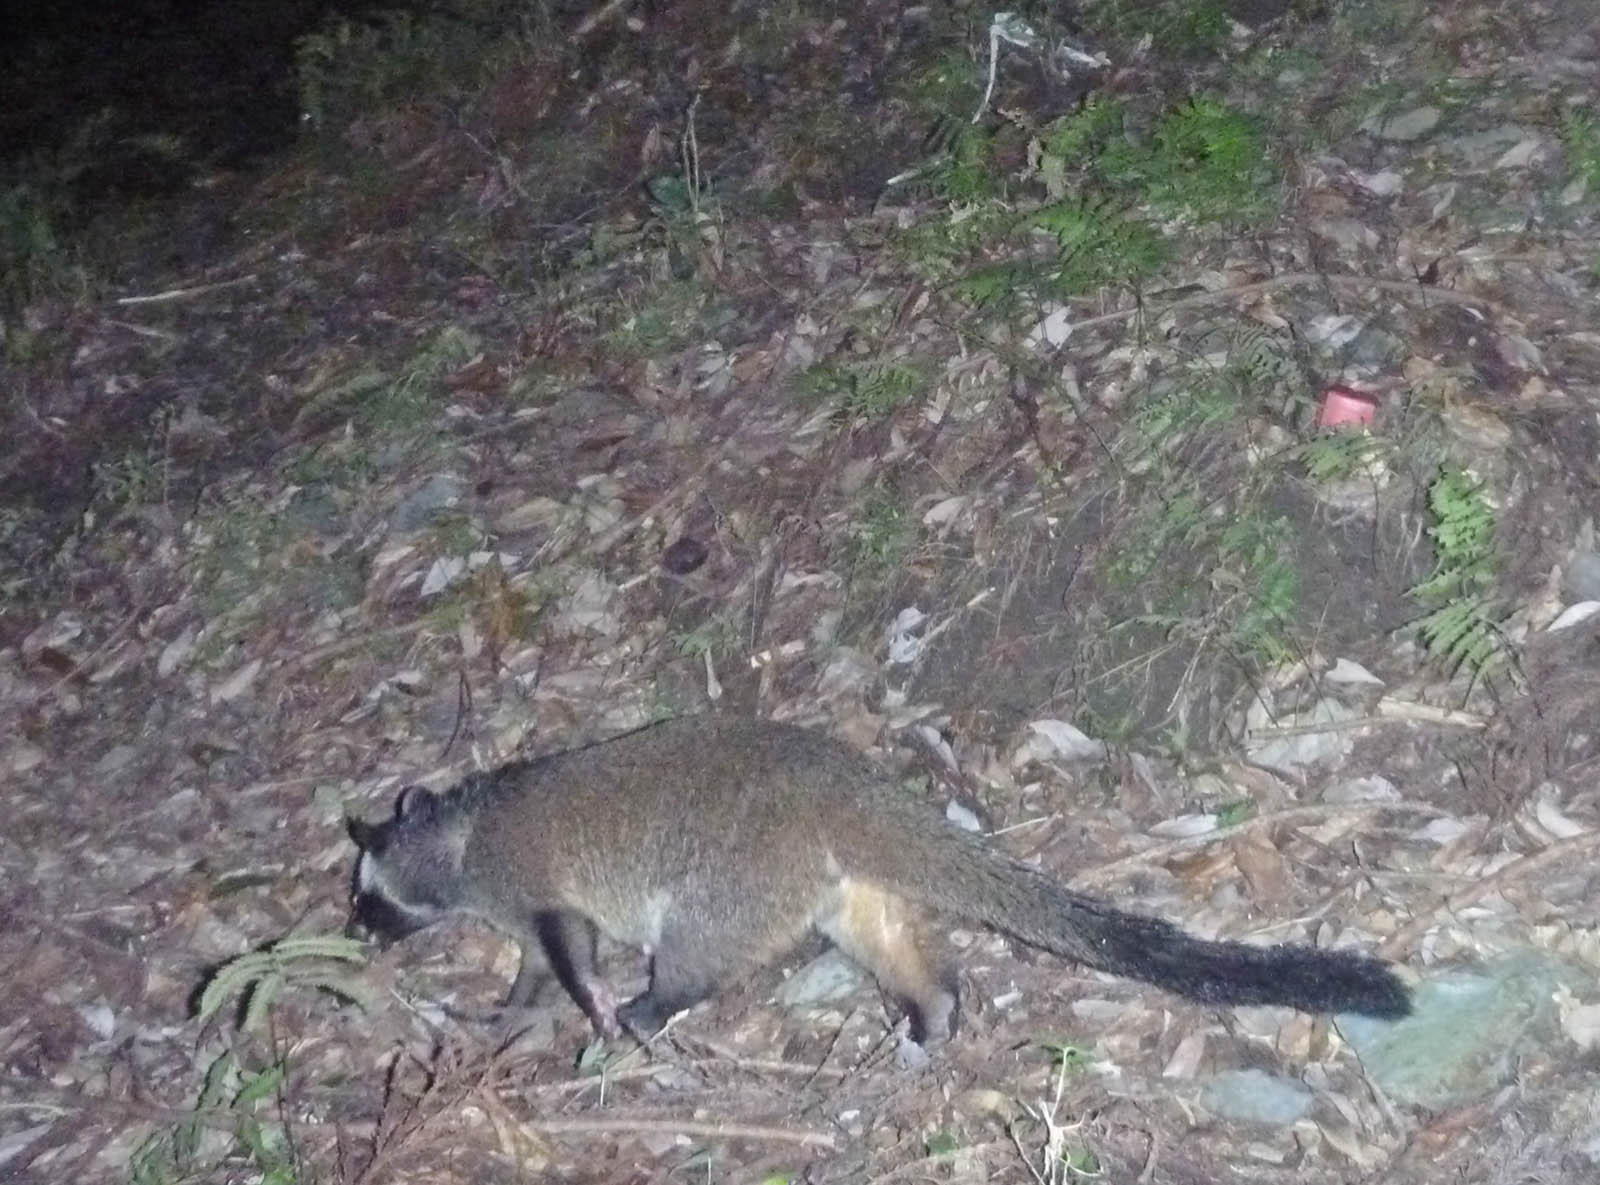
[(911, 518)]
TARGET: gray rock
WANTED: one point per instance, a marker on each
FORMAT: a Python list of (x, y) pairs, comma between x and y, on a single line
[(418, 508), (827, 977), (1255, 1096), (1407, 125), (1466, 1032)]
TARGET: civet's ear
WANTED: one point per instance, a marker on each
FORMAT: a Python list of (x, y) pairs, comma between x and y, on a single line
[(366, 836), (416, 804)]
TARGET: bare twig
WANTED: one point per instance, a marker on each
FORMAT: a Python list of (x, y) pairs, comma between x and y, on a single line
[(627, 526), (598, 17), (184, 293), (82, 667), (1401, 943), (808, 1137), (1292, 280), (723, 1056), (1293, 817), (1387, 711), (329, 649), (145, 330)]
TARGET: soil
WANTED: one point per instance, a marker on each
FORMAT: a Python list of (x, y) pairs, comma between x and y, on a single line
[(464, 429)]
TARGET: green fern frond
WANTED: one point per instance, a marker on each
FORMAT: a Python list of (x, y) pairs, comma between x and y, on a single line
[(1334, 456), (299, 961), (1462, 627)]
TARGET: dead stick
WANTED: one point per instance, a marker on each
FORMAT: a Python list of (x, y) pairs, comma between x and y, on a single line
[(711, 1131), (598, 17), (1400, 944), (634, 1073), (1294, 816), (183, 293), (1294, 279), (81, 668)]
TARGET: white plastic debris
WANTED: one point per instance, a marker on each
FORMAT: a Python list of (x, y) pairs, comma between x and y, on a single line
[(905, 645), (446, 570), (1572, 615), (1056, 740)]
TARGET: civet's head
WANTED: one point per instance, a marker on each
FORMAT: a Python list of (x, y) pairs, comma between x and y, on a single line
[(409, 872)]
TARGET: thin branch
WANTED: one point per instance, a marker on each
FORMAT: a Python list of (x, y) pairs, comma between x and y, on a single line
[(598, 17), (184, 293), (1291, 280), (711, 1131), (1400, 944), (1293, 817)]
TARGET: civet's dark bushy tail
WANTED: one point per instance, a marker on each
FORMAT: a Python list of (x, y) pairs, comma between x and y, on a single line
[(1301, 977), (978, 882)]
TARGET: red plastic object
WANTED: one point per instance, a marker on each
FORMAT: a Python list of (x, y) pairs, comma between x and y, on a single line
[(1341, 406)]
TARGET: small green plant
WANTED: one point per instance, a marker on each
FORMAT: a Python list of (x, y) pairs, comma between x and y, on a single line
[(942, 1144), (714, 638), (1176, 28), (951, 82), (348, 67), (1068, 1056), (1580, 137), (945, 249), (965, 171), (1060, 1158), (1201, 549), (1209, 163), (381, 59), (30, 252), (1164, 423), (453, 533), (1084, 136), (373, 399), (1336, 456), (1107, 191), (878, 538), (686, 209), (413, 399), (1145, 548), (1230, 814), (312, 961), (1265, 586), (1461, 627), (1098, 243), (661, 318), (135, 478), (866, 390), (225, 1129)]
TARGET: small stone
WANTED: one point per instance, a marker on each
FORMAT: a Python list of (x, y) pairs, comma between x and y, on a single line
[(1408, 125), (684, 556)]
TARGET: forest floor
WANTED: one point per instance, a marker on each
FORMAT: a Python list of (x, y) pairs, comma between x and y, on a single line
[(1182, 460)]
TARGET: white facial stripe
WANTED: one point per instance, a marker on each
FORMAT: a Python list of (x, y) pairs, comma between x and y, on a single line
[(370, 879)]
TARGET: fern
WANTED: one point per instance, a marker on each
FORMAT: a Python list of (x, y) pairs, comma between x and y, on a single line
[(1335, 456), (1580, 138), (1462, 633), (231, 1086), (869, 390), (177, 1153), (1462, 626), (994, 285), (1265, 357), (1098, 245), (260, 977), (1210, 164)]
